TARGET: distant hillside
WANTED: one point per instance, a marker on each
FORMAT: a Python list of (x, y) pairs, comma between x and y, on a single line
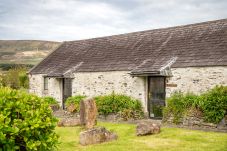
[(25, 51)]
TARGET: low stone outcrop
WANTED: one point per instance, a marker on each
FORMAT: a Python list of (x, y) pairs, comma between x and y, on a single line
[(69, 122), (96, 136), (147, 128), (88, 113)]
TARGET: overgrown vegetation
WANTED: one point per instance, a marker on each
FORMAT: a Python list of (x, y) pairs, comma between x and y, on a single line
[(124, 105), (75, 100), (8, 66), (50, 100), (15, 78), (212, 103), (26, 122)]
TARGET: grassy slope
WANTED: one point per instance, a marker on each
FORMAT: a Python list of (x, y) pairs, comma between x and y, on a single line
[(171, 139), (25, 51)]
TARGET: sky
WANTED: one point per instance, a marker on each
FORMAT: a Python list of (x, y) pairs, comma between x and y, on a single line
[(63, 20)]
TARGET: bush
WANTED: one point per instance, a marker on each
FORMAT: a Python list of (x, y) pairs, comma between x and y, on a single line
[(26, 122), (178, 105), (117, 103), (75, 100), (15, 78), (50, 100), (23, 79), (212, 103), (126, 106)]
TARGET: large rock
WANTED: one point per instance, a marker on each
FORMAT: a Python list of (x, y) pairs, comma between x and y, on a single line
[(88, 113), (96, 136), (72, 108), (147, 128), (69, 122)]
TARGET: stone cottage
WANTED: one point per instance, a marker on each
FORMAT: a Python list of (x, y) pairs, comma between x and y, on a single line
[(147, 65)]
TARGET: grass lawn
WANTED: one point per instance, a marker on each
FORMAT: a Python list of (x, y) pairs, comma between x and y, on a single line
[(171, 139)]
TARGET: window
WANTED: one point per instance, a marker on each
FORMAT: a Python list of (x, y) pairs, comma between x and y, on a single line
[(45, 83)]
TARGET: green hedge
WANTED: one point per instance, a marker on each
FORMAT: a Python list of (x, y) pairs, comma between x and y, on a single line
[(212, 103), (115, 103), (126, 106), (26, 122)]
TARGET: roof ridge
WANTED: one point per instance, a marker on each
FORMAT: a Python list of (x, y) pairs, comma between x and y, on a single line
[(150, 30)]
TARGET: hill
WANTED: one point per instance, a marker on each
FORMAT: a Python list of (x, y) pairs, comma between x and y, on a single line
[(25, 51)]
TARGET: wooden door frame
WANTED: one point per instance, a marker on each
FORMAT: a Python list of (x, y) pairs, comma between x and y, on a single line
[(63, 91), (148, 95)]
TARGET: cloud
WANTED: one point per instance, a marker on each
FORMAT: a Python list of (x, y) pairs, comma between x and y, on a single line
[(78, 19)]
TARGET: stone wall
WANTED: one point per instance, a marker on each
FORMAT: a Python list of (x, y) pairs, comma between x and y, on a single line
[(194, 119), (193, 79), (55, 89), (101, 83), (196, 79), (36, 86)]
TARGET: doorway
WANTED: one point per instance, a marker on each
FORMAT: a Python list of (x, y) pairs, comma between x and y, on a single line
[(156, 96), (67, 90)]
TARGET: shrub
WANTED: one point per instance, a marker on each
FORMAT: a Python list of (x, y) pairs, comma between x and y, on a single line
[(26, 122), (15, 78), (212, 103), (176, 106), (179, 104), (52, 103), (23, 79), (117, 103), (126, 106), (75, 100), (50, 100)]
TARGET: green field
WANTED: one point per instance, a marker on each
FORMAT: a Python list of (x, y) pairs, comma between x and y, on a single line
[(170, 139)]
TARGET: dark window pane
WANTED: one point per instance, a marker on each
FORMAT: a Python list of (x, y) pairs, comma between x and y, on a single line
[(45, 83)]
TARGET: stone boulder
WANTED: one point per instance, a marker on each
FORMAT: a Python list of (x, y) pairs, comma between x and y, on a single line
[(69, 122), (88, 113), (147, 128), (96, 136), (71, 108)]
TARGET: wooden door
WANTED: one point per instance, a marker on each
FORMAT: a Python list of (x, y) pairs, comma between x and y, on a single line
[(67, 89), (156, 96)]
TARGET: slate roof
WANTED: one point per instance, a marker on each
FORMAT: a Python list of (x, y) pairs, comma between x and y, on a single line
[(195, 45)]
